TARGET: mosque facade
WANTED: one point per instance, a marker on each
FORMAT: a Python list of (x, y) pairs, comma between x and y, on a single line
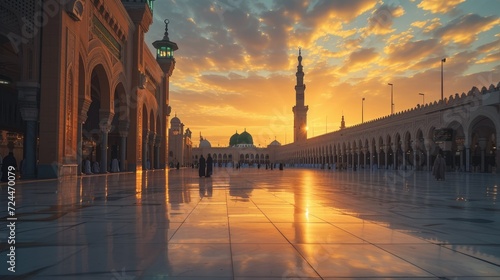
[(78, 82), (240, 151)]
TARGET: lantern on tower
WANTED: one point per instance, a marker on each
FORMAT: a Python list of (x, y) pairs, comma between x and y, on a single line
[(165, 48)]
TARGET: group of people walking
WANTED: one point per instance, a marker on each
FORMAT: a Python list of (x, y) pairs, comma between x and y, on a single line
[(205, 167)]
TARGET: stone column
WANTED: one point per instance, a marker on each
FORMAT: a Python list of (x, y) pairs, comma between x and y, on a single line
[(386, 152), (378, 158), (467, 157), (151, 151), (371, 156), (428, 160), (123, 130), (145, 137), (359, 157), (79, 147), (482, 145), (104, 148), (414, 147), (364, 157), (83, 108), (461, 150), (157, 151), (497, 156), (105, 119), (28, 105), (395, 156), (403, 149)]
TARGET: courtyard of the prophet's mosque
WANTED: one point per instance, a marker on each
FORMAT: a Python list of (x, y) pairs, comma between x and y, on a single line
[(256, 224)]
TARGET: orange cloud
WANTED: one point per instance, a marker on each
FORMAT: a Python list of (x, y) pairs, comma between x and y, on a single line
[(464, 30), (495, 57), (412, 51), (427, 25), (439, 6), (237, 61), (359, 60), (381, 20)]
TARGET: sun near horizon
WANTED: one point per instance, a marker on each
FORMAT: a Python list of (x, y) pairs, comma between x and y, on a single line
[(237, 61)]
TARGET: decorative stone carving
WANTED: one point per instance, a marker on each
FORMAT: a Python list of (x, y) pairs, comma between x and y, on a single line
[(143, 80), (74, 8)]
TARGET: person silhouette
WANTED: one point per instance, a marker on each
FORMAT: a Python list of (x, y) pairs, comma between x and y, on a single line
[(209, 166), (439, 168), (8, 160), (201, 166)]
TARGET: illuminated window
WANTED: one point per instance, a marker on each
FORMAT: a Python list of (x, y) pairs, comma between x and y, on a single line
[(165, 52)]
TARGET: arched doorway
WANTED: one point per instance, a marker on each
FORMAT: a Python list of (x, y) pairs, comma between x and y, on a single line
[(97, 125), (483, 147)]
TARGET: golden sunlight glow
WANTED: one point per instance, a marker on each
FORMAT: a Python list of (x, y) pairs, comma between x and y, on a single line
[(236, 67), (138, 185)]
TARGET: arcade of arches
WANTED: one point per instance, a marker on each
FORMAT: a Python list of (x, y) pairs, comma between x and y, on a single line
[(87, 87), (465, 128)]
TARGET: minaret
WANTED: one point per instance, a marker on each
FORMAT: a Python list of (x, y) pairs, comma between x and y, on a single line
[(342, 122), (299, 110)]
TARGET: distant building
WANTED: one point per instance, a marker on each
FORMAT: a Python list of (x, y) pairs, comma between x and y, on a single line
[(179, 144), (240, 150)]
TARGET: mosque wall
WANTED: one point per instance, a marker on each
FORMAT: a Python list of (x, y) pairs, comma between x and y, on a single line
[(411, 139), (87, 86)]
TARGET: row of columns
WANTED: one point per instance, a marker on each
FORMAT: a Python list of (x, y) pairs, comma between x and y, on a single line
[(348, 158), (151, 143)]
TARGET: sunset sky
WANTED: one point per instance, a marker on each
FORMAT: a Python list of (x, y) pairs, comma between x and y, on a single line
[(236, 63)]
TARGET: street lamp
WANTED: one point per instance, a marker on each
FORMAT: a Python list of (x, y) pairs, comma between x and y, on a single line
[(392, 98), (442, 61), (362, 109), (423, 97)]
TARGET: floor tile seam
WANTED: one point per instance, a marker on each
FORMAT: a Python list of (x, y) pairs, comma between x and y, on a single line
[(407, 261), (184, 221), (306, 260), (374, 223), (365, 240), (471, 256), (59, 231), (40, 270), (226, 194), (288, 242)]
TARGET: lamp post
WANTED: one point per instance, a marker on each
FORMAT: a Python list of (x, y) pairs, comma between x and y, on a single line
[(392, 98), (442, 61), (423, 97), (362, 109)]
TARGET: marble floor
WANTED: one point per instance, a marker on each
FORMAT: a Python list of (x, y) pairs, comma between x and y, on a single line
[(255, 224)]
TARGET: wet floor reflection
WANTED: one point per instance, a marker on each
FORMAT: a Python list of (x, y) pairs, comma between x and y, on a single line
[(259, 223)]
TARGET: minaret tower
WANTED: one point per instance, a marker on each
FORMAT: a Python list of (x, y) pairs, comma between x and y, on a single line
[(299, 110)]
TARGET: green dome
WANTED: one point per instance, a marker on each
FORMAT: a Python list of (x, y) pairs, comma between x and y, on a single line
[(245, 138), (233, 141)]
